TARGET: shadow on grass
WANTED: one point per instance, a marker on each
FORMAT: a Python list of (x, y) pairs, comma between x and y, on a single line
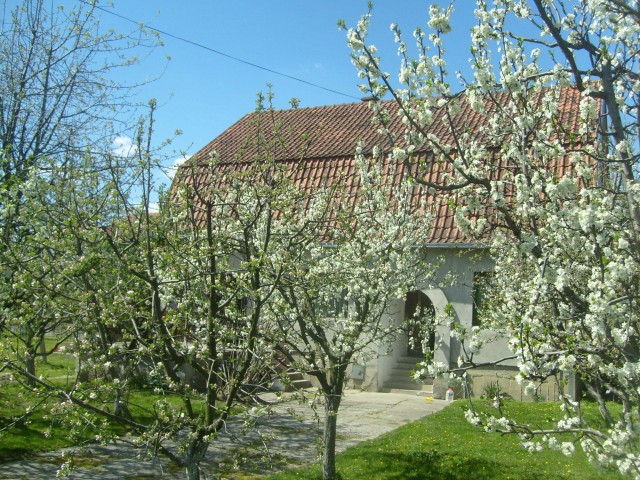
[(422, 465), (432, 465), (21, 446)]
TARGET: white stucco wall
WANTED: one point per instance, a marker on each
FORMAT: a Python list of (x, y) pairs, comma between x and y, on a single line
[(452, 285)]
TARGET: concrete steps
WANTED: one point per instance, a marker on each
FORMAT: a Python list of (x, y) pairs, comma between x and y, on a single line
[(296, 381), (290, 379), (427, 391), (401, 381)]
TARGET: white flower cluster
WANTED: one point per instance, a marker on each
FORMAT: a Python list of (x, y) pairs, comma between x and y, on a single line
[(472, 417), (493, 424), (557, 181)]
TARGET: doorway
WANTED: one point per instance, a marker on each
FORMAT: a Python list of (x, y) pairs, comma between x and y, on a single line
[(419, 314)]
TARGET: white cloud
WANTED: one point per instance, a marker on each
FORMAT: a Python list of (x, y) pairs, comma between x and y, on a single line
[(123, 146), (171, 171)]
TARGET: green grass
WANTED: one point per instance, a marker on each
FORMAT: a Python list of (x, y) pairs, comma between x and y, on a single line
[(445, 446), (22, 436), (41, 431), (57, 365)]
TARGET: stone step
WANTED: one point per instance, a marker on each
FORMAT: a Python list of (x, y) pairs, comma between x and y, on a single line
[(302, 384), (409, 361), (402, 371), (408, 385), (426, 392), (398, 375), (297, 381), (295, 376), (401, 378)]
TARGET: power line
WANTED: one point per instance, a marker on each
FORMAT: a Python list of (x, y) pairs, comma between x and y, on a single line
[(218, 52)]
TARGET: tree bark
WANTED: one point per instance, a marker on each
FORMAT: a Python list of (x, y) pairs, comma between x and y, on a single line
[(30, 367), (331, 406), (43, 351), (121, 404), (194, 454)]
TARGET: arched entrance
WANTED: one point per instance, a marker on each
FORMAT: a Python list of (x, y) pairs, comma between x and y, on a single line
[(418, 315)]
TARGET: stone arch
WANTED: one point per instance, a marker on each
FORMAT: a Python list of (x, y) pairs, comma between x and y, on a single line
[(417, 306), (440, 302)]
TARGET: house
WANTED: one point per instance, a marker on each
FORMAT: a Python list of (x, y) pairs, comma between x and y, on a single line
[(318, 144)]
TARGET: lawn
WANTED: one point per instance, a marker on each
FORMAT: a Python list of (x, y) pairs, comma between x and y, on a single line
[(45, 428), (22, 435), (445, 446), (42, 429)]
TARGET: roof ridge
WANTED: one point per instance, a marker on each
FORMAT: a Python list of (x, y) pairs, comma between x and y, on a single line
[(333, 130)]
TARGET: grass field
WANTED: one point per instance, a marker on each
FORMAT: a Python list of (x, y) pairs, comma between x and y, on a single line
[(22, 435), (46, 427), (444, 446), (43, 428)]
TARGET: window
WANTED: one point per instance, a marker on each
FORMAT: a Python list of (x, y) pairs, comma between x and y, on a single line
[(481, 296), (335, 306)]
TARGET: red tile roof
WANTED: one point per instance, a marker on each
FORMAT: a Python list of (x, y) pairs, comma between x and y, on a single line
[(334, 131), (318, 145)]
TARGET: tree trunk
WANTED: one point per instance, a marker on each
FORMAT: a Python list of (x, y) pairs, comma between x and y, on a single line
[(596, 394), (43, 351), (194, 454), (193, 469), (121, 404), (331, 406), (30, 367)]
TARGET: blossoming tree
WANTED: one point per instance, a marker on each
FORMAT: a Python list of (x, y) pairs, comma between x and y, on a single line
[(58, 99), (363, 253), (210, 262), (169, 306), (552, 189), (148, 304)]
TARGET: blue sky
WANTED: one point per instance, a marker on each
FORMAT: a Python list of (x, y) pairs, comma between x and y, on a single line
[(202, 93)]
